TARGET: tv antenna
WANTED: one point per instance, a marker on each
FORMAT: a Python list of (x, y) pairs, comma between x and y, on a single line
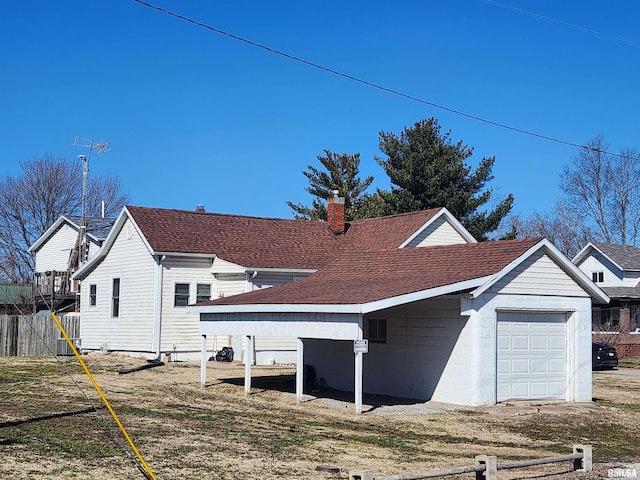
[(79, 253)]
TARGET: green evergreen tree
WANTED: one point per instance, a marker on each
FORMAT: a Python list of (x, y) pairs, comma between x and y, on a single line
[(427, 170), (341, 174)]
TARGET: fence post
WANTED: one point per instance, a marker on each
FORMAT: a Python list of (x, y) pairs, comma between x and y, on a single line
[(490, 467), (586, 463), (361, 475)]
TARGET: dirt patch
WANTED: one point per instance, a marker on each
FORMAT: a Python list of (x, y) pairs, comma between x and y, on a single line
[(50, 429)]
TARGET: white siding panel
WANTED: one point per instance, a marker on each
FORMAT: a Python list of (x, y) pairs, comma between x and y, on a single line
[(305, 325), (440, 232), (274, 349), (275, 343), (180, 330), (132, 331), (427, 354), (539, 275), (613, 276), (230, 284), (54, 254), (222, 266)]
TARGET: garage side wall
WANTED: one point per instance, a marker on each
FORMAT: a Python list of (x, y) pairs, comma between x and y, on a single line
[(427, 354)]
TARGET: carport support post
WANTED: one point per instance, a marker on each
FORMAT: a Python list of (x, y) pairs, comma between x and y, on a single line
[(358, 382), (248, 353), (299, 370), (203, 362)]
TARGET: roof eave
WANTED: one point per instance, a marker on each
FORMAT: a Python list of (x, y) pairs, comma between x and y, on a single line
[(578, 275), (49, 231), (360, 308), (452, 220)]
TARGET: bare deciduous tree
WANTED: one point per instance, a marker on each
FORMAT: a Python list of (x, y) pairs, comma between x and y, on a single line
[(603, 190), (30, 202), (563, 228)]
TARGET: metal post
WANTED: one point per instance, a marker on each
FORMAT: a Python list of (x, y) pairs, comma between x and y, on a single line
[(203, 362), (248, 352), (299, 370), (358, 381)]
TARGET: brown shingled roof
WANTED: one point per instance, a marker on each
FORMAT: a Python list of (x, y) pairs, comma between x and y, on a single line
[(358, 277), (269, 242)]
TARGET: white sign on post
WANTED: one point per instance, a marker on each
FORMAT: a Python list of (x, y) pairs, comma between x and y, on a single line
[(361, 346)]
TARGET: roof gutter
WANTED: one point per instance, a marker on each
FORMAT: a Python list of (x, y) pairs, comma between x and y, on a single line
[(359, 308)]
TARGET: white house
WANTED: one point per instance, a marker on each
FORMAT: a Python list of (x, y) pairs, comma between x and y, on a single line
[(616, 270), (155, 262), (53, 249), (466, 323)]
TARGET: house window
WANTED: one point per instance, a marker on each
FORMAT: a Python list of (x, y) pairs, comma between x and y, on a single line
[(203, 292), (597, 277), (115, 298), (606, 320), (181, 297), (93, 295), (378, 330)]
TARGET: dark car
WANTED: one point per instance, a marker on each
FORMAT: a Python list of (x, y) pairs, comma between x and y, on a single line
[(603, 356)]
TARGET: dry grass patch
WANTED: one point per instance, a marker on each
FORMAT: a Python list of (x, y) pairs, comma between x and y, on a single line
[(48, 428)]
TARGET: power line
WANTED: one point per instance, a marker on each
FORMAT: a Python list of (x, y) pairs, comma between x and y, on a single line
[(366, 82), (564, 24)]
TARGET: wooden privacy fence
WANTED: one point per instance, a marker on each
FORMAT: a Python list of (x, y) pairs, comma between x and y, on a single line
[(486, 467), (36, 335)]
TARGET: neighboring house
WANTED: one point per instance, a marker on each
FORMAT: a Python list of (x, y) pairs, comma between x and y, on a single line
[(53, 250), (155, 262), (452, 321), (616, 270)]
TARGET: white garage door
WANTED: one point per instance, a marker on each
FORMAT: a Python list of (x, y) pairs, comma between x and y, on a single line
[(531, 356)]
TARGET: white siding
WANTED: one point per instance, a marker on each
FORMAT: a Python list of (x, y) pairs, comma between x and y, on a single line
[(93, 249), (343, 326), (54, 253), (230, 284), (180, 330), (222, 266), (539, 275), (274, 349), (440, 232), (132, 331), (613, 276), (268, 349), (426, 356)]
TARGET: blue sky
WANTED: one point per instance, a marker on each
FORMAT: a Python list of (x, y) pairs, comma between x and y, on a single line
[(193, 116)]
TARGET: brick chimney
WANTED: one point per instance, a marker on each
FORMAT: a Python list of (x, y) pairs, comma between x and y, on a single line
[(335, 213)]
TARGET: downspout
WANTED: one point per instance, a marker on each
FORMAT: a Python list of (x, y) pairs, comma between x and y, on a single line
[(157, 308)]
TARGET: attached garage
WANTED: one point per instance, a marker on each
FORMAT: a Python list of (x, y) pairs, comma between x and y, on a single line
[(531, 356)]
